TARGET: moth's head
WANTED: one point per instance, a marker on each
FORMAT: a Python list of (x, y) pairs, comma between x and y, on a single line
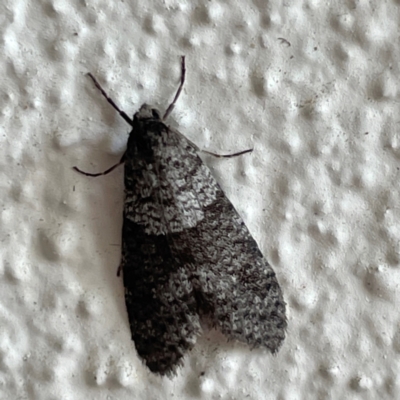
[(148, 112)]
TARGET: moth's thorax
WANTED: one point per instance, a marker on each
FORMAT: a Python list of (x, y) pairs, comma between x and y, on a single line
[(146, 139), (147, 112)]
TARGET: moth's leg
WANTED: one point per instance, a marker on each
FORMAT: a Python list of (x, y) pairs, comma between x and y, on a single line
[(228, 155), (120, 268), (172, 105), (111, 101), (107, 171)]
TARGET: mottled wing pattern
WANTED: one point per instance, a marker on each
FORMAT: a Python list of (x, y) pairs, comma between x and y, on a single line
[(234, 284), (232, 281), (157, 271), (187, 252), (159, 297)]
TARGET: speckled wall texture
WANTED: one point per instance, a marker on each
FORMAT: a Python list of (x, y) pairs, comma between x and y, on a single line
[(312, 86)]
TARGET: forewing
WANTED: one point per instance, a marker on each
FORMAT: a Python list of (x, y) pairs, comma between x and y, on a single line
[(157, 265), (232, 281), (159, 299)]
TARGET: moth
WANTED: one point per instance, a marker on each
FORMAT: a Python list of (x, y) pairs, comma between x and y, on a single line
[(186, 252)]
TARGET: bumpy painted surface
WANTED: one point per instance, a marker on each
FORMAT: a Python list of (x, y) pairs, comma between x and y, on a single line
[(320, 193)]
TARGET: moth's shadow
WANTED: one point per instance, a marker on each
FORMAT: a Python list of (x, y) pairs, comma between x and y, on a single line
[(211, 347)]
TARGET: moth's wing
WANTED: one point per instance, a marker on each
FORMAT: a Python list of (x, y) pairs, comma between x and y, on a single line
[(185, 250), (233, 282), (159, 299), (156, 264)]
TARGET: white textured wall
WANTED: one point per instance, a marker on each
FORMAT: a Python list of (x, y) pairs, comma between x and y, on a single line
[(320, 192)]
